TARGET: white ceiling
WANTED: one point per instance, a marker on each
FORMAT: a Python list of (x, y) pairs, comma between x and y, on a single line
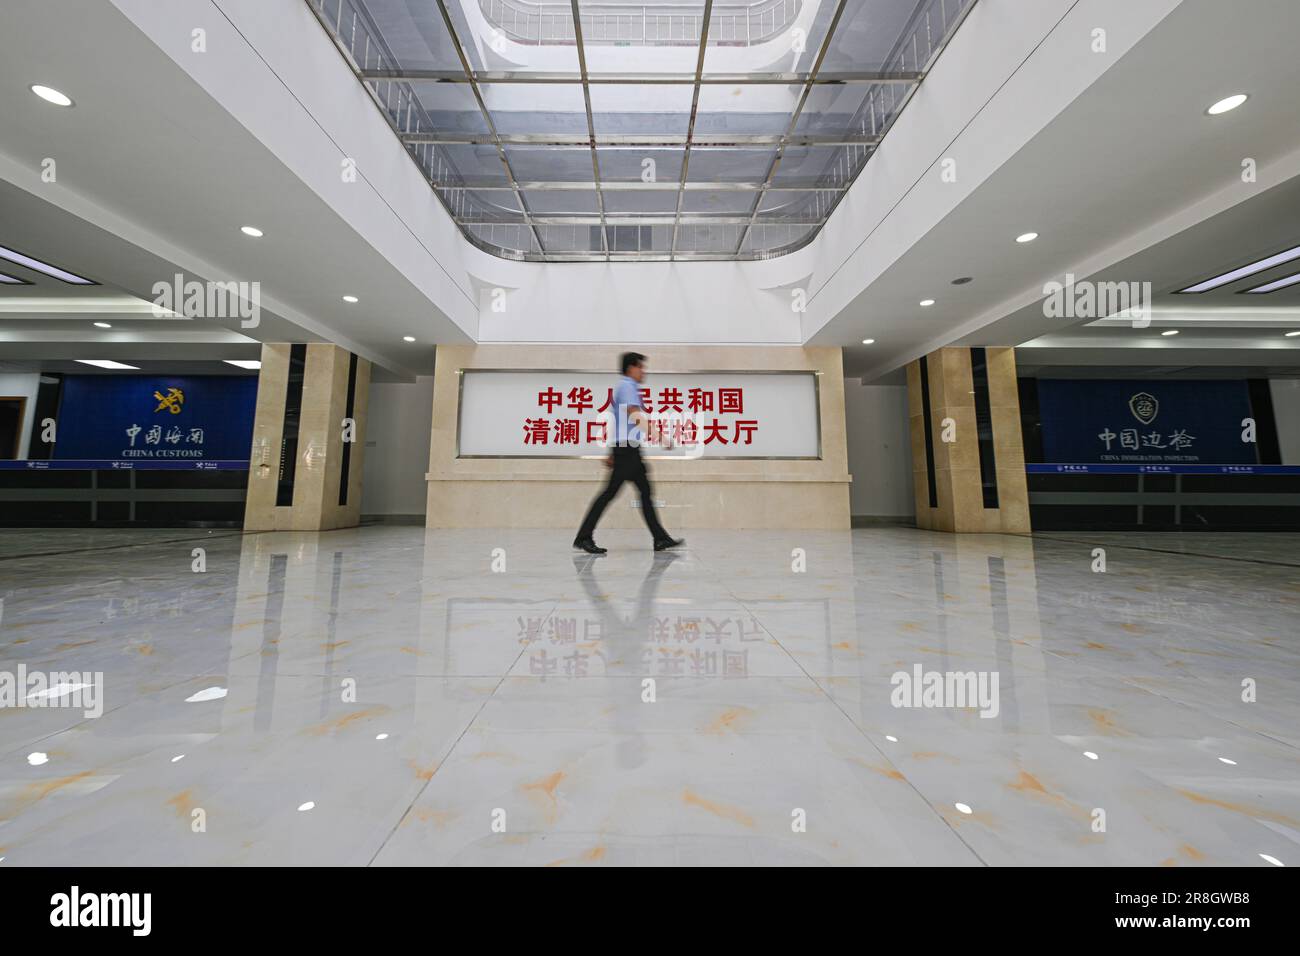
[(1132, 179)]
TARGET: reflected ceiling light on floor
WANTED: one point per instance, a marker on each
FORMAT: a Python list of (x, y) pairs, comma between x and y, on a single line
[(1090, 755), (102, 325), (868, 341), (303, 808), (38, 758), (1227, 104), (252, 364), (408, 338), (1263, 856), (36, 265), (1230, 763), (1026, 237), (1283, 283), (252, 231), (350, 298), (381, 736), (926, 303), (891, 739), (108, 363), (178, 758), (1288, 255), (962, 807), (50, 95), (1168, 332)]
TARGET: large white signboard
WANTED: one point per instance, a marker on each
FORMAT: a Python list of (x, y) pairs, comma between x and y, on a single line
[(510, 414)]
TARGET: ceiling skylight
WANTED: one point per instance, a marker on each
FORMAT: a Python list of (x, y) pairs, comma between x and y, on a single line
[(689, 129)]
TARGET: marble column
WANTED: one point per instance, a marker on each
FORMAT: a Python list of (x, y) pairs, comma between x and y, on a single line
[(296, 476), (958, 500)]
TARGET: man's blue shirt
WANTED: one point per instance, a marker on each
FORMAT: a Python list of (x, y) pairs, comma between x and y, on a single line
[(627, 396)]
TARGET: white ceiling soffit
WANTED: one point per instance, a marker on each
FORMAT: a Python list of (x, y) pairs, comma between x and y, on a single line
[(1128, 163), (150, 159)]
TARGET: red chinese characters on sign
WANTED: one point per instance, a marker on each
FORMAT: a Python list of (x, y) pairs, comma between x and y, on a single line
[(682, 417)]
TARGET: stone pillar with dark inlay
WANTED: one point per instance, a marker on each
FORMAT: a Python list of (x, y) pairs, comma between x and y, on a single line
[(968, 459), (308, 439)]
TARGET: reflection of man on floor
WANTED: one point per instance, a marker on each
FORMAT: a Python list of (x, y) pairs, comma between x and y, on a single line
[(625, 640), (625, 462)]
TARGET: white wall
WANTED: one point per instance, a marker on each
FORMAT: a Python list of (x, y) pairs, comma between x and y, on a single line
[(880, 449), (1286, 409), (398, 422), (21, 385)]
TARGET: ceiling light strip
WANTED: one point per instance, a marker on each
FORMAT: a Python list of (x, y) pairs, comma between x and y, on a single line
[(12, 280), (487, 118), (1283, 283), (591, 124), (690, 125), (1289, 255), (775, 164), (36, 265)]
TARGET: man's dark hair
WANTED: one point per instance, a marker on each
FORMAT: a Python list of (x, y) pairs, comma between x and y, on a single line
[(630, 359)]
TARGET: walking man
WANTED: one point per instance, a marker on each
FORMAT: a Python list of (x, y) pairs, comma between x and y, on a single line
[(625, 461)]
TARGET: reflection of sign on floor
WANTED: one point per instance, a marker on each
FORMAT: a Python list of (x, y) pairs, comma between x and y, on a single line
[(673, 646)]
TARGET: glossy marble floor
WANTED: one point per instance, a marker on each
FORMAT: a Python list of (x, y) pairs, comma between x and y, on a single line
[(392, 696)]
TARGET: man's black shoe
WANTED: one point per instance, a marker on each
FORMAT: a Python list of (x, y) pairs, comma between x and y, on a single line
[(589, 545), (663, 544)]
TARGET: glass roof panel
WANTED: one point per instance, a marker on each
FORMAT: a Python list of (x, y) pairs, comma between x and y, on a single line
[(494, 97)]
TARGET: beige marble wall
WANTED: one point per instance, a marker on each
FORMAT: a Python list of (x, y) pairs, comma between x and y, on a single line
[(960, 503), (702, 493), (320, 442)]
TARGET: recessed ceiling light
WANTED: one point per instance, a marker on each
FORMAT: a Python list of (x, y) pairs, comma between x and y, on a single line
[(1288, 255), (103, 325), (1230, 763), (50, 95), (891, 738), (244, 363), (408, 338), (36, 265), (1027, 237), (1291, 335), (108, 363), (1090, 755), (304, 807), (1169, 332), (349, 298), (962, 807), (868, 341), (1227, 103), (926, 303), (1283, 283), (1263, 856), (251, 231)]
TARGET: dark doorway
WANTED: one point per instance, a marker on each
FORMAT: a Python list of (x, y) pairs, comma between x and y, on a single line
[(11, 425)]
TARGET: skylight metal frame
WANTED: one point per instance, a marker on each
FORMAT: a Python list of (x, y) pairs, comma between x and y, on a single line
[(420, 136)]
